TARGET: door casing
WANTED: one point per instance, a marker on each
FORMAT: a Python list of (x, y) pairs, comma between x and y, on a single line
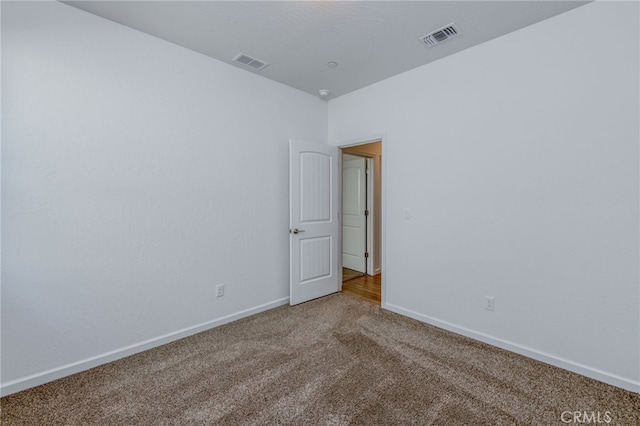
[(355, 202)]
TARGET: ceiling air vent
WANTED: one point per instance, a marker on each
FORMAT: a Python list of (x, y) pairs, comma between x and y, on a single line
[(250, 62), (438, 36)]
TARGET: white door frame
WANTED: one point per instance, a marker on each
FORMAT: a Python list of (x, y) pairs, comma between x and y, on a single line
[(383, 213), (356, 259), (369, 206), (372, 215)]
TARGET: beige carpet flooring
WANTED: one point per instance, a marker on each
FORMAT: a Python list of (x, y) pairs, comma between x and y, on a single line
[(332, 361)]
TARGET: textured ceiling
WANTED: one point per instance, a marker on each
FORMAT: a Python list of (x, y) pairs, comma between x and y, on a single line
[(370, 40)]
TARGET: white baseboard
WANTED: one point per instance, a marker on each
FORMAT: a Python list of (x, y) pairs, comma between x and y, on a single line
[(565, 364), (86, 364)]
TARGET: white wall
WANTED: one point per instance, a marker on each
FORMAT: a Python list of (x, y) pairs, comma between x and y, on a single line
[(519, 161), (136, 175)]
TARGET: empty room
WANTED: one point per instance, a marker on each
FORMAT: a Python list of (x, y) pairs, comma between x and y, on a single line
[(175, 227)]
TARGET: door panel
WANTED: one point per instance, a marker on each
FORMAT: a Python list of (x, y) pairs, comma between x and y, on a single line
[(315, 260), (314, 221), (315, 187)]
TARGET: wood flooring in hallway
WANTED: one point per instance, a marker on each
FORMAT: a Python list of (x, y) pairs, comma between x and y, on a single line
[(365, 287)]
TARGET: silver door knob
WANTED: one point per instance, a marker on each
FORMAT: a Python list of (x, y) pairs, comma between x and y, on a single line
[(297, 231)]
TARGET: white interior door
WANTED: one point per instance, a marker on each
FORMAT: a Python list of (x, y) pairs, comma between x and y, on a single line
[(354, 220), (313, 220)]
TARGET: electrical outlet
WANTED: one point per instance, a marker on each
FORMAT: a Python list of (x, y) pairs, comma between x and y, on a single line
[(489, 303), (220, 290)]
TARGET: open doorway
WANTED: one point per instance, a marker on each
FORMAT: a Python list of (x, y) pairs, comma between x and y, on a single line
[(361, 220), (356, 207)]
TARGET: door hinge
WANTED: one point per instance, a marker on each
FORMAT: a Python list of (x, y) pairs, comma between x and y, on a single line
[(366, 212), (366, 254)]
